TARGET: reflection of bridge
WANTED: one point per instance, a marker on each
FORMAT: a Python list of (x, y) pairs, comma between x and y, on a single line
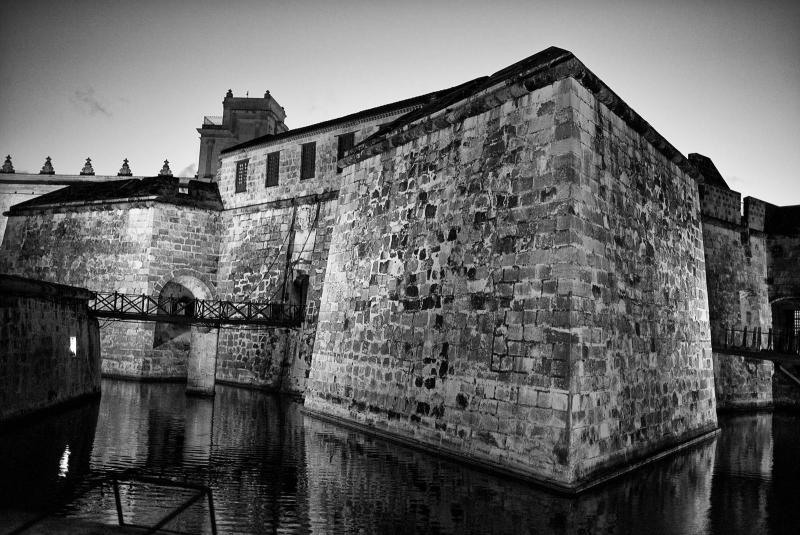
[(781, 347), (194, 311)]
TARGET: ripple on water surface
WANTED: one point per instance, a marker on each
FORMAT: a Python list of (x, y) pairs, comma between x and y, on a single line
[(273, 470)]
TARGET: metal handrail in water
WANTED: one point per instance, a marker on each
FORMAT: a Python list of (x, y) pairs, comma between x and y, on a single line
[(128, 475)]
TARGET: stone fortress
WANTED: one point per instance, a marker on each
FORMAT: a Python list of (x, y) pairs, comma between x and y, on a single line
[(518, 271)]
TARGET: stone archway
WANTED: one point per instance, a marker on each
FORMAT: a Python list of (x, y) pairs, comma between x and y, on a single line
[(786, 318), (201, 361)]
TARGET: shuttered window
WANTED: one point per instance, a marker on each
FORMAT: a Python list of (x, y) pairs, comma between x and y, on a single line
[(273, 163), (308, 160), (346, 142), (241, 176)]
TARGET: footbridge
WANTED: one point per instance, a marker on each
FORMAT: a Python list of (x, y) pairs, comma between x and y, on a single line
[(781, 347), (121, 306)]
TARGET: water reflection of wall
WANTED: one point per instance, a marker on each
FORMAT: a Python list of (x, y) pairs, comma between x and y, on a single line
[(257, 454), (360, 483), (784, 514), (40, 462), (743, 473)]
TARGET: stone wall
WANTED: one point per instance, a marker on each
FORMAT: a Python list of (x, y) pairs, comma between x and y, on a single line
[(736, 268), (785, 390), (16, 188), (784, 258), (641, 372), (524, 288), (255, 245), (273, 238), (783, 251), (132, 248), (49, 346), (15, 193)]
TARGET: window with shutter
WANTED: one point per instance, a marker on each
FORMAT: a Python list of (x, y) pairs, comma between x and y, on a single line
[(346, 142), (241, 176), (308, 160), (273, 163)]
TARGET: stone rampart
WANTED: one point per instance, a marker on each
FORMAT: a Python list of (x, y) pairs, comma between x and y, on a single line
[(721, 203), (49, 346), (642, 372), (521, 285), (132, 247), (736, 272)]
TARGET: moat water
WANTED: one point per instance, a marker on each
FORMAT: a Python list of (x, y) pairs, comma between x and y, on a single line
[(273, 470)]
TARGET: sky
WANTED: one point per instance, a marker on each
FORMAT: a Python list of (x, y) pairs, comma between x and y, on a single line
[(133, 79)]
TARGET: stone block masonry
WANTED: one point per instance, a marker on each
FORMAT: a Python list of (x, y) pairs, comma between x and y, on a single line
[(642, 370), (49, 346), (131, 247), (274, 247), (736, 265), (522, 285)]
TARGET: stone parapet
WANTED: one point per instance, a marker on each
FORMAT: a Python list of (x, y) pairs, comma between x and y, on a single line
[(721, 203)]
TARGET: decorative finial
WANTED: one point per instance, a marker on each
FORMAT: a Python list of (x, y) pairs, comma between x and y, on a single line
[(47, 168), (267, 95), (125, 170), (229, 94), (7, 167), (87, 168), (165, 170)]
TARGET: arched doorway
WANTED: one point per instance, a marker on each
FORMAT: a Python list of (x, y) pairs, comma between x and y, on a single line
[(173, 337), (198, 342), (786, 321)]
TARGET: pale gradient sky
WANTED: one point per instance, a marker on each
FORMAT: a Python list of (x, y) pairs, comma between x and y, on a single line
[(134, 79)]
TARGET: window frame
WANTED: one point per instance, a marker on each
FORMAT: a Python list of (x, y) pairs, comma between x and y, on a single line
[(277, 166), (340, 149), (240, 178), (308, 170)]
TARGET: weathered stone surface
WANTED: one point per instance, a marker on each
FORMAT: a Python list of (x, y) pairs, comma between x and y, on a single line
[(736, 267), (497, 289), (274, 247), (126, 247), (49, 346)]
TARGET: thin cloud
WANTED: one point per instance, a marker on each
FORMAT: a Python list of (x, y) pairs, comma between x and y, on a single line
[(88, 103), (189, 170)]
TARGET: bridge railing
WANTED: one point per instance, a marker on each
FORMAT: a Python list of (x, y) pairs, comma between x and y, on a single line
[(184, 310), (756, 340)]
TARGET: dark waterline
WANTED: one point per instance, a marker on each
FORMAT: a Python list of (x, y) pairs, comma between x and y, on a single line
[(273, 470)]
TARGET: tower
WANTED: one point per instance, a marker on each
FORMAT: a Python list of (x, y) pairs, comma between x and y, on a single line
[(242, 119)]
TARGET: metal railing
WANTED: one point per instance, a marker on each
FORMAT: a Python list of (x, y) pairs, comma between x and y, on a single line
[(757, 341), (194, 311), (114, 479), (202, 491)]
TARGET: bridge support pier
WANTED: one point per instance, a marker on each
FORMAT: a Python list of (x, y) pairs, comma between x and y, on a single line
[(202, 364)]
